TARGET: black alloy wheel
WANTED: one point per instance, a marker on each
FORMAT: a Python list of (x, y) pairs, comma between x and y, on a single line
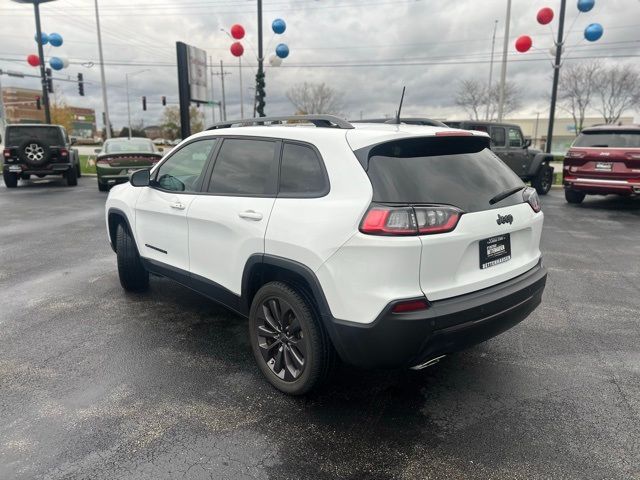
[(280, 339), (288, 339), (544, 180)]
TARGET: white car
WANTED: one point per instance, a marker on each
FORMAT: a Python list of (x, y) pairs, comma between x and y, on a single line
[(383, 245)]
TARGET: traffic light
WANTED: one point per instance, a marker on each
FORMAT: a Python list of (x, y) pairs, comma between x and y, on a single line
[(144, 103), (81, 84), (38, 105), (164, 101), (48, 79)]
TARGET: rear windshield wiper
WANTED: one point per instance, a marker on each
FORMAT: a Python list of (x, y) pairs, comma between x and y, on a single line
[(505, 194)]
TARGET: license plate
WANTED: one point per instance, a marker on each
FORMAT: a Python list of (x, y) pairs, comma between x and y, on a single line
[(15, 168), (495, 250), (605, 166)]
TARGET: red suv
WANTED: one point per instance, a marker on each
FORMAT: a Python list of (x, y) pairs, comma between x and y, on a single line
[(603, 160)]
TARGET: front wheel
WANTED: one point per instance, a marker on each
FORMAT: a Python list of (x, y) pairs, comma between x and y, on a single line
[(10, 179), (289, 343), (133, 276), (543, 181), (573, 196), (78, 170), (103, 187)]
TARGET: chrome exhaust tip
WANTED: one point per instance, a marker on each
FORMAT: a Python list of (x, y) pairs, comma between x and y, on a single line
[(428, 363), (636, 189)]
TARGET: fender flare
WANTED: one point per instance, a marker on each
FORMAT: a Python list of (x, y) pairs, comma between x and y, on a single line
[(538, 160), (119, 213)]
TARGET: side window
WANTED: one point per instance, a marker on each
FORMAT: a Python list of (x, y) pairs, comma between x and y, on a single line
[(301, 172), (479, 128), (515, 138), (498, 136), (245, 167), (181, 172)]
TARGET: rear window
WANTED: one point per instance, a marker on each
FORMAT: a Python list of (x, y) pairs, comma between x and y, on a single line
[(458, 171), (48, 135), (609, 139), (128, 146)]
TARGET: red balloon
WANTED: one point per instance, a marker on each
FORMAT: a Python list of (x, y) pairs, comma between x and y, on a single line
[(33, 60), (237, 31), (545, 15), (524, 43), (237, 49)]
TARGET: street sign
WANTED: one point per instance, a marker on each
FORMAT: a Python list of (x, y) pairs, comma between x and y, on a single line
[(197, 59)]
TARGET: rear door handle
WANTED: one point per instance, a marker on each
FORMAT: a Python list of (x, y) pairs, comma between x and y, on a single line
[(251, 215), (177, 205)]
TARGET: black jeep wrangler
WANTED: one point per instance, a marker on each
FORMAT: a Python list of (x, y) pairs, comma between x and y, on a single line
[(38, 150), (508, 143)]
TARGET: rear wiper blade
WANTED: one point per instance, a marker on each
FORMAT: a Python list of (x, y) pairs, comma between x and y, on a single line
[(505, 194)]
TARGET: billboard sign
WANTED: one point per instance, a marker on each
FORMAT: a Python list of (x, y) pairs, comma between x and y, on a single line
[(197, 60)]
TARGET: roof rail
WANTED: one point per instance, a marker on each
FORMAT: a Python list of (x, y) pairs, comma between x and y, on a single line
[(324, 121)]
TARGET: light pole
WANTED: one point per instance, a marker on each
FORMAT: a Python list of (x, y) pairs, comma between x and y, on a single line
[(107, 126), (45, 92), (260, 85), (493, 48), (556, 74), (503, 73), (126, 79)]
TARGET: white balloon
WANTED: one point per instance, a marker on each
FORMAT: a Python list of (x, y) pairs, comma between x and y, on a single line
[(275, 61), (65, 62)]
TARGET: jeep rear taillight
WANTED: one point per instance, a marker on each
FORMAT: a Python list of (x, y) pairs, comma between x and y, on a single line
[(64, 152), (530, 195), (7, 153), (574, 154), (409, 220)]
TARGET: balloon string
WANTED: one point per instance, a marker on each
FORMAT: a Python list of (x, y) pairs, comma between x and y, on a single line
[(572, 25)]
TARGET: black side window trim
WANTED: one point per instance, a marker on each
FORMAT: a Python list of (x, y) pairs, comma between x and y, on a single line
[(326, 182), (208, 177), (198, 188)]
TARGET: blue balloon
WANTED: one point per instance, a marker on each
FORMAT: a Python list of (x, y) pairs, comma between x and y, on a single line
[(278, 26), (586, 5), (593, 32), (55, 39), (44, 36), (56, 63), (282, 51)]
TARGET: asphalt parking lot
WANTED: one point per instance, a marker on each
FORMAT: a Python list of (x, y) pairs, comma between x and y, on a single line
[(96, 383)]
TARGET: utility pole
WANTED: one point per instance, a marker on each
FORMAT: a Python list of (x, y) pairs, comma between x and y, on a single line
[(503, 73), (224, 99), (493, 49), (260, 84), (107, 126), (213, 105), (556, 74), (241, 92)]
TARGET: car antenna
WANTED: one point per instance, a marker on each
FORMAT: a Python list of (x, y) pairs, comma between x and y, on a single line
[(400, 107)]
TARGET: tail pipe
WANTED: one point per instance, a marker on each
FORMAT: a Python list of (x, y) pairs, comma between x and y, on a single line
[(428, 363), (636, 189)]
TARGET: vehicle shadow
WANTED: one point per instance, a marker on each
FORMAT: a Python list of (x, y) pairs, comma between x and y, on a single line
[(611, 202)]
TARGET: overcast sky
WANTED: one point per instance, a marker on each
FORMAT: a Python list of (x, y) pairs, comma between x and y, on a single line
[(351, 45)]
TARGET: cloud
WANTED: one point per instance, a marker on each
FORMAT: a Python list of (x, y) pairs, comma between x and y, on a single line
[(444, 42)]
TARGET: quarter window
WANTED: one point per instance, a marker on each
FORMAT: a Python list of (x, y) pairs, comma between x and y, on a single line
[(245, 167), (515, 138), (498, 136), (183, 170), (301, 173)]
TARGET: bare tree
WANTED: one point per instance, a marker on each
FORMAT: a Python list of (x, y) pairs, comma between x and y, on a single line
[(310, 98), (577, 87), (618, 89), (478, 100)]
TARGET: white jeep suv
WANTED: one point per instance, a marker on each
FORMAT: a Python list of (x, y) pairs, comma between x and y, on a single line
[(384, 245)]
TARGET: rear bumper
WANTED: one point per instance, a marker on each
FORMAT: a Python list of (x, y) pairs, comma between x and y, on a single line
[(52, 169), (603, 186), (411, 339)]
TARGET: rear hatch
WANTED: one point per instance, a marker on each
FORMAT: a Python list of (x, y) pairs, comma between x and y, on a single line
[(605, 154), (489, 241)]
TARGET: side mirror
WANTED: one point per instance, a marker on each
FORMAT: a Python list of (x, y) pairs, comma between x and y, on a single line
[(73, 140), (140, 178), (527, 143), (97, 150)]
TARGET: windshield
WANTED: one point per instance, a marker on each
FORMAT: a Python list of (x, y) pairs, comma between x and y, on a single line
[(609, 139), (129, 146), (48, 135), (454, 171)]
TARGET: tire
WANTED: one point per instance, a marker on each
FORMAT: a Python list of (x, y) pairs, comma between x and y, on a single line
[(288, 340), (133, 276), (72, 177), (10, 179), (543, 181), (78, 170), (573, 196), (34, 153), (103, 187)]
